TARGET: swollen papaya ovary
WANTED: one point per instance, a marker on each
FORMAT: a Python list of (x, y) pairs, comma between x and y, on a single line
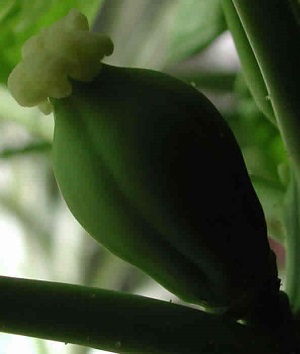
[(151, 170), (65, 50)]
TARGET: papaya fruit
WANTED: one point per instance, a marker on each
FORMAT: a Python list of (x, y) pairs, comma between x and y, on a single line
[(151, 170)]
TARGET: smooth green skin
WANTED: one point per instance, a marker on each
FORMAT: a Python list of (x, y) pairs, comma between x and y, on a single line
[(120, 322), (151, 170)]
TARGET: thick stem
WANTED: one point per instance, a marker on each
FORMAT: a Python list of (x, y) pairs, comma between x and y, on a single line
[(251, 70), (119, 322), (292, 221), (272, 28), (274, 34)]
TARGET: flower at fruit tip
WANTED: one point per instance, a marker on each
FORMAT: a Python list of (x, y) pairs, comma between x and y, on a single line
[(66, 50)]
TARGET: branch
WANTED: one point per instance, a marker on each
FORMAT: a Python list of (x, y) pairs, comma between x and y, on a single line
[(119, 322)]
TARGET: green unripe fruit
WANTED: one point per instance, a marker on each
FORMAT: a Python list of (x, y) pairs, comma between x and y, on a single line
[(151, 170)]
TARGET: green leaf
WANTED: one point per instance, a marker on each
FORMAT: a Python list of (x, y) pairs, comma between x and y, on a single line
[(6, 7), (259, 140), (29, 148), (20, 19), (119, 322), (272, 199), (195, 25), (265, 157), (213, 81), (140, 33)]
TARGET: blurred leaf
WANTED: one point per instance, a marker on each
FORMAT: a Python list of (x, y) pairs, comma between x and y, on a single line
[(32, 147), (20, 19), (292, 222), (258, 135), (264, 155), (139, 29), (30, 119), (272, 198), (6, 6), (195, 25), (213, 81)]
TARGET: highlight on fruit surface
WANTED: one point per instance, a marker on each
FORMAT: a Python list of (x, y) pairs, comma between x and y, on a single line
[(150, 169)]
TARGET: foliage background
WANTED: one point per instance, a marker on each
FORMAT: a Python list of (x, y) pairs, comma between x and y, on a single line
[(187, 38)]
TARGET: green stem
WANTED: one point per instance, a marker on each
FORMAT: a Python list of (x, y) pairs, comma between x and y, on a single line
[(273, 31), (274, 34), (292, 220), (119, 322), (251, 70)]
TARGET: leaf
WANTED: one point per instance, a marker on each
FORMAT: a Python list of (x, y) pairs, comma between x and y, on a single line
[(272, 199), (265, 157), (29, 148), (140, 33), (196, 24), (6, 6), (260, 142), (119, 322), (213, 81)]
